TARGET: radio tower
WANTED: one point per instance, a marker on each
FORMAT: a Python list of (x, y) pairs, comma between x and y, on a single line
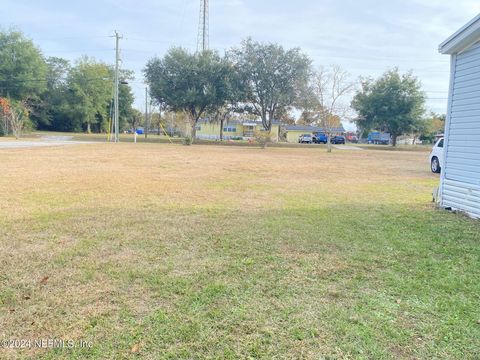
[(203, 31)]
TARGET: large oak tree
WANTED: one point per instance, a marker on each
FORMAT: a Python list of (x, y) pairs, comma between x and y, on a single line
[(273, 78), (393, 103), (22, 67), (193, 83)]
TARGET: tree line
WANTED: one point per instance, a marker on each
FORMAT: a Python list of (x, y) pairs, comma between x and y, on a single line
[(264, 81), (50, 93), (272, 83)]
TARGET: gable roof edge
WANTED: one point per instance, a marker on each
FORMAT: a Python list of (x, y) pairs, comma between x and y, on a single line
[(463, 38)]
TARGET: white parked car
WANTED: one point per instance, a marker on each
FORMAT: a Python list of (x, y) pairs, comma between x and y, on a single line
[(436, 156), (305, 139)]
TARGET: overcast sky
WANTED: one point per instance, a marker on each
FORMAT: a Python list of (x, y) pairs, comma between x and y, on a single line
[(364, 37)]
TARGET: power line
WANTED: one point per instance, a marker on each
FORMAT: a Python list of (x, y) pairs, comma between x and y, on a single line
[(79, 51), (152, 41), (71, 38), (384, 57), (13, 81)]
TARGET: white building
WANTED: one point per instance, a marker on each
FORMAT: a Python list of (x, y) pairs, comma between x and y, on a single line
[(460, 178)]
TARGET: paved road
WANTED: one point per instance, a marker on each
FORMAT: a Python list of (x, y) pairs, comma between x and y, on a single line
[(67, 140), (44, 141)]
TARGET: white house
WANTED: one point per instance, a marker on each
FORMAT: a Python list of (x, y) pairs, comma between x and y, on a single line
[(460, 178)]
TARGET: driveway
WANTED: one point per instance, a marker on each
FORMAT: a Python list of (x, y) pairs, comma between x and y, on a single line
[(43, 141)]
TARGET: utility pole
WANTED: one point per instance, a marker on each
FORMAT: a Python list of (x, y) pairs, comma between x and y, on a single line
[(203, 27), (117, 60), (147, 124)]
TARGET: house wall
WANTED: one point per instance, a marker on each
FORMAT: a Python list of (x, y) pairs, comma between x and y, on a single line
[(208, 130), (293, 135), (229, 134), (274, 131), (211, 131), (460, 182)]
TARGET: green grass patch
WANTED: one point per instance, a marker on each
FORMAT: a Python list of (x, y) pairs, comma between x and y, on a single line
[(300, 264)]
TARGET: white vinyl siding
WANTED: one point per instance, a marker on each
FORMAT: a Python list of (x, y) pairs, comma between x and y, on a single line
[(461, 179)]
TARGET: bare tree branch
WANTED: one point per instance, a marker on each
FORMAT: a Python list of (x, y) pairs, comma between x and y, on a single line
[(331, 86)]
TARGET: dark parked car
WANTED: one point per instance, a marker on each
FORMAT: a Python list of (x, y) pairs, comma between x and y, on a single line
[(338, 140), (305, 139)]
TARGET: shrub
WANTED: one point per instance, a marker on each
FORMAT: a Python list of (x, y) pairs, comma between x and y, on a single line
[(263, 138), (17, 115), (187, 140)]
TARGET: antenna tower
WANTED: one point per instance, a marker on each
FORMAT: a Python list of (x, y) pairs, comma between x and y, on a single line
[(203, 27)]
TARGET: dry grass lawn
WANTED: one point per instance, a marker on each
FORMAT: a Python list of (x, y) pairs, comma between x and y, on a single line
[(167, 251)]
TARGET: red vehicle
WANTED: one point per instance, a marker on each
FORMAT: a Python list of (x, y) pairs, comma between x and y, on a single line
[(351, 137)]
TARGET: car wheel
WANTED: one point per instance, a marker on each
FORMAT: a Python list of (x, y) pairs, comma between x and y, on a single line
[(435, 165)]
